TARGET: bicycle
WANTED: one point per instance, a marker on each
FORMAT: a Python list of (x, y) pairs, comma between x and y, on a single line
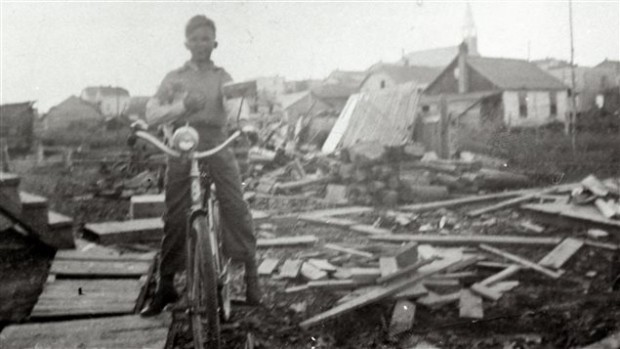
[(207, 270)]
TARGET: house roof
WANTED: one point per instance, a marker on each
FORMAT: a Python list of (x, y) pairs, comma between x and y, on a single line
[(13, 109), (106, 91), (329, 91), (348, 78), (436, 57), (511, 74), (401, 74), (74, 106), (609, 64), (386, 116)]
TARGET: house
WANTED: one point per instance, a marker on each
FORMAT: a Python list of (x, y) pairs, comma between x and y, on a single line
[(590, 83), (390, 75), (529, 96), (301, 104), (72, 114), (609, 64), (17, 124), (109, 100), (385, 116), (348, 78)]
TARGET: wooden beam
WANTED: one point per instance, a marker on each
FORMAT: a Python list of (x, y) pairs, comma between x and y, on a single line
[(469, 239), (522, 261), (504, 274), (368, 298), (561, 253), (462, 201), (520, 199), (406, 271), (348, 250), (369, 229), (342, 223), (287, 241)]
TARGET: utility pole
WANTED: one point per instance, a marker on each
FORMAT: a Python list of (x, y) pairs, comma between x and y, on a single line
[(573, 114)]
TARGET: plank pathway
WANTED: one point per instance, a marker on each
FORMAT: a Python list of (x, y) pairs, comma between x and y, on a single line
[(99, 282)]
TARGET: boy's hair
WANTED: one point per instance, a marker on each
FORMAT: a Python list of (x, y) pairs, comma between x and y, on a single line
[(197, 22)]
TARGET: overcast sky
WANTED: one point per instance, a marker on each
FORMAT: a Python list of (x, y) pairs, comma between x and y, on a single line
[(51, 50)]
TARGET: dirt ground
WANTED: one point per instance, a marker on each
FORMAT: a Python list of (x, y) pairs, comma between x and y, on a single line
[(541, 313)]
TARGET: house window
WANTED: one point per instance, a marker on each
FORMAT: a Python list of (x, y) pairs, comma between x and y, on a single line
[(382, 84), (426, 108), (523, 104), (553, 103)]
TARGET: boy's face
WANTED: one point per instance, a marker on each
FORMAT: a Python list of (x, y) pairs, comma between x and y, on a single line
[(201, 42)]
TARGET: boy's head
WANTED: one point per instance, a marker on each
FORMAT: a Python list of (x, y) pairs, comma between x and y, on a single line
[(200, 37)]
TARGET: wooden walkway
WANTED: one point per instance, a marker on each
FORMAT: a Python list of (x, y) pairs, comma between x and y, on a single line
[(90, 300)]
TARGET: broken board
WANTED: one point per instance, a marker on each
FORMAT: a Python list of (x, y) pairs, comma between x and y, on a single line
[(287, 241), (290, 268), (469, 239), (135, 230), (131, 331), (72, 298), (267, 266), (568, 214), (561, 253)]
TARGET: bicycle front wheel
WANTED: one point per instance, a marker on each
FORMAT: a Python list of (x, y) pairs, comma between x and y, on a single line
[(205, 288)]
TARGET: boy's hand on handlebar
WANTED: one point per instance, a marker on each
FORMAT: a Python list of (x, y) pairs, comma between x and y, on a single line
[(139, 125)]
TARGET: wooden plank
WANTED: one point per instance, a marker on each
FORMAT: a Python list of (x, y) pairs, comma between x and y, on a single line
[(322, 264), (295, 289), (287, 241), (369, 229), (87, 297), (69, 268), (587, 215), (332, 285), (388, 266), (503, 286), (520, 199), (504, 274), (290, 268), (402, 317), (368, 298), (130, 331), (561, 253), (469, 239), (350, 251), (267, 266), (412, 292), (522, 261), (486, 292), (364, 274), (462, 201), (102, 255), (470, 305), (311, 272), (532, 227), (341, 211), (434, 300), (328, 221), (136, 230), (408, 271)]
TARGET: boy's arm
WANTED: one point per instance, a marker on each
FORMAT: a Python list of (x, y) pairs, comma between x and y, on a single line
[(166, 105)]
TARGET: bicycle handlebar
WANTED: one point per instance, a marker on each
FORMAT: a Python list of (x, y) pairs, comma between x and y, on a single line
[(194, 155)]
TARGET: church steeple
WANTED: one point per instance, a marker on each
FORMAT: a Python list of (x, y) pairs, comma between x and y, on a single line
[(470, 35)]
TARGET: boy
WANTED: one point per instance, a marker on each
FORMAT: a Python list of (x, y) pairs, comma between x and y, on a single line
[(193, 93)]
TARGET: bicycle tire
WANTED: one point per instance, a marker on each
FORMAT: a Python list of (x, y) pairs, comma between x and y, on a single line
[(224, 290), (205, 288)]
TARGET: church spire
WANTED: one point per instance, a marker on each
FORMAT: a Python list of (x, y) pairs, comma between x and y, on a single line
[(470, 35)]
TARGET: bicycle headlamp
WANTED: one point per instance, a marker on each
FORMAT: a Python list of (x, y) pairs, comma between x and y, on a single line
[(185, 139)]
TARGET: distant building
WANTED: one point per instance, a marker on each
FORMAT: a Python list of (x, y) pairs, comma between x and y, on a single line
[(347, 78), (17, 124), (390, 75), (109, 100), (590, 83), (529, 96), (271, 85), (72, 114)]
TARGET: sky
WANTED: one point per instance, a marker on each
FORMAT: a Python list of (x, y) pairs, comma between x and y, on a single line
[(52, 50)]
